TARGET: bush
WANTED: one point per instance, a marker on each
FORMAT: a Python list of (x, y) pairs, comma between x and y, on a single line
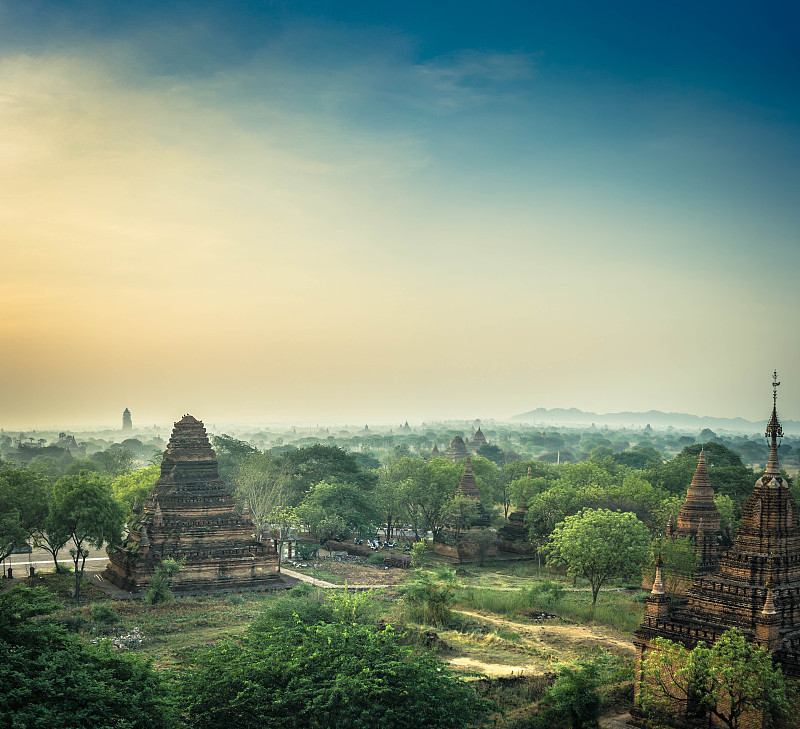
[(104, 614), (306, 551), (374, 559), (159, 591), (302, 589), (428, 599)]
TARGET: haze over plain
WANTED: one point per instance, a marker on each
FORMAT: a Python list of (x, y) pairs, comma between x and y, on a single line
[(359, 212)]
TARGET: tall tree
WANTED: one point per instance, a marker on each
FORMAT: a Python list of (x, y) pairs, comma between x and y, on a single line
[(261, 482), (23, 507), (84, 513)]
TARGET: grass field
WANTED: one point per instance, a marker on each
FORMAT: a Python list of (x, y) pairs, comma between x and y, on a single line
[(497, 625)]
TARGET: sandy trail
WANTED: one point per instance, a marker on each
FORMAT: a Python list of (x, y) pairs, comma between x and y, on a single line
[(587, 635)]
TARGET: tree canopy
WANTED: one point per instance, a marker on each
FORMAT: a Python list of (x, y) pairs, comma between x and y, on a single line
[(598, 544), (337, 675)]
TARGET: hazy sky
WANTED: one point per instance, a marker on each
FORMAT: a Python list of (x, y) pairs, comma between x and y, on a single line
[(374, 211)]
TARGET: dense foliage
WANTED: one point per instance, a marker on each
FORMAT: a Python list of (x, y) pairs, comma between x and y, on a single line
[(51, 679), (291, 674)]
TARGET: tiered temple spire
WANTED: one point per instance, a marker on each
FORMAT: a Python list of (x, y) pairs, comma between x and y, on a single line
[(191, 517), (756, 587)]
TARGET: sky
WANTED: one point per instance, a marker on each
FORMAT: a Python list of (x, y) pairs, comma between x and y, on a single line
[(366, 211)]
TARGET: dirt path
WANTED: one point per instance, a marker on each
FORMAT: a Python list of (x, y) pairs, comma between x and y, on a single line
[(586, 635), (325, 584)]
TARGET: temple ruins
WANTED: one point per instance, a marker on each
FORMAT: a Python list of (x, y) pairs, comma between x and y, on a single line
[(453, 541), (191, 517), (755, 586)]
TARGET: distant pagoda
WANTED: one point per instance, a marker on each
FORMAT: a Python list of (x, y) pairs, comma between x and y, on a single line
[(435, 453), (755, 587), (127, 423), (445, 542), (457, 449), (478, 440), (700, 521), (191, 517)]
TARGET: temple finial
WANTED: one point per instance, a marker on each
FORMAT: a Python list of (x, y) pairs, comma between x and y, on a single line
[(774, 431), (658, 582)]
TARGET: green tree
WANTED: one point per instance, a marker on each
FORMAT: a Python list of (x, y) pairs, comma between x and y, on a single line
[(433, 486), (135, 485), (728, 680), (336, 510), (84, 513), (23, 507), (327, 676), (115, 461), (308, 466), (396, 481), (598, 545), (459, 515), (493, 453), (49, 678), (283, 520)]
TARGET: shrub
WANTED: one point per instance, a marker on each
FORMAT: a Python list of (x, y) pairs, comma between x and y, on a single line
[(428, 599), (159, 591), (104, 614)]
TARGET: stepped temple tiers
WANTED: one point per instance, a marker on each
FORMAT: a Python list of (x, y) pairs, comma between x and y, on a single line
[(514, 536), (754, 588), (127, 423), (457, 449), (700, 521), (458, 542), (191, 517)]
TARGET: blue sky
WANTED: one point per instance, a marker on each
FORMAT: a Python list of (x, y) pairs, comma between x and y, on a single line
[(562, 204)]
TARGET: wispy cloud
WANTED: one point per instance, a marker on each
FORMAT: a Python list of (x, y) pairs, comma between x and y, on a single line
[(469, 78)]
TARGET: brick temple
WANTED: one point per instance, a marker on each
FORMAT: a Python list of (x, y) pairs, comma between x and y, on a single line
[(700, 521), (444, 542), (755, 586), (191, 516)]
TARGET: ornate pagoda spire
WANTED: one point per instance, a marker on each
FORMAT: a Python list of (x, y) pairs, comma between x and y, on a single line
[(774, 431)]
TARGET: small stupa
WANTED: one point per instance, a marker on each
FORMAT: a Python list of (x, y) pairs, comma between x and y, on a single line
[(435, 453), (191, 516)]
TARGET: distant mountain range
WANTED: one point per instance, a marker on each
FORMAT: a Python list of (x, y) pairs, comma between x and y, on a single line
[(655, 418)]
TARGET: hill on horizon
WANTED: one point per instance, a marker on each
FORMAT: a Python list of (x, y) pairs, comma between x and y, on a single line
[(654, 418)]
